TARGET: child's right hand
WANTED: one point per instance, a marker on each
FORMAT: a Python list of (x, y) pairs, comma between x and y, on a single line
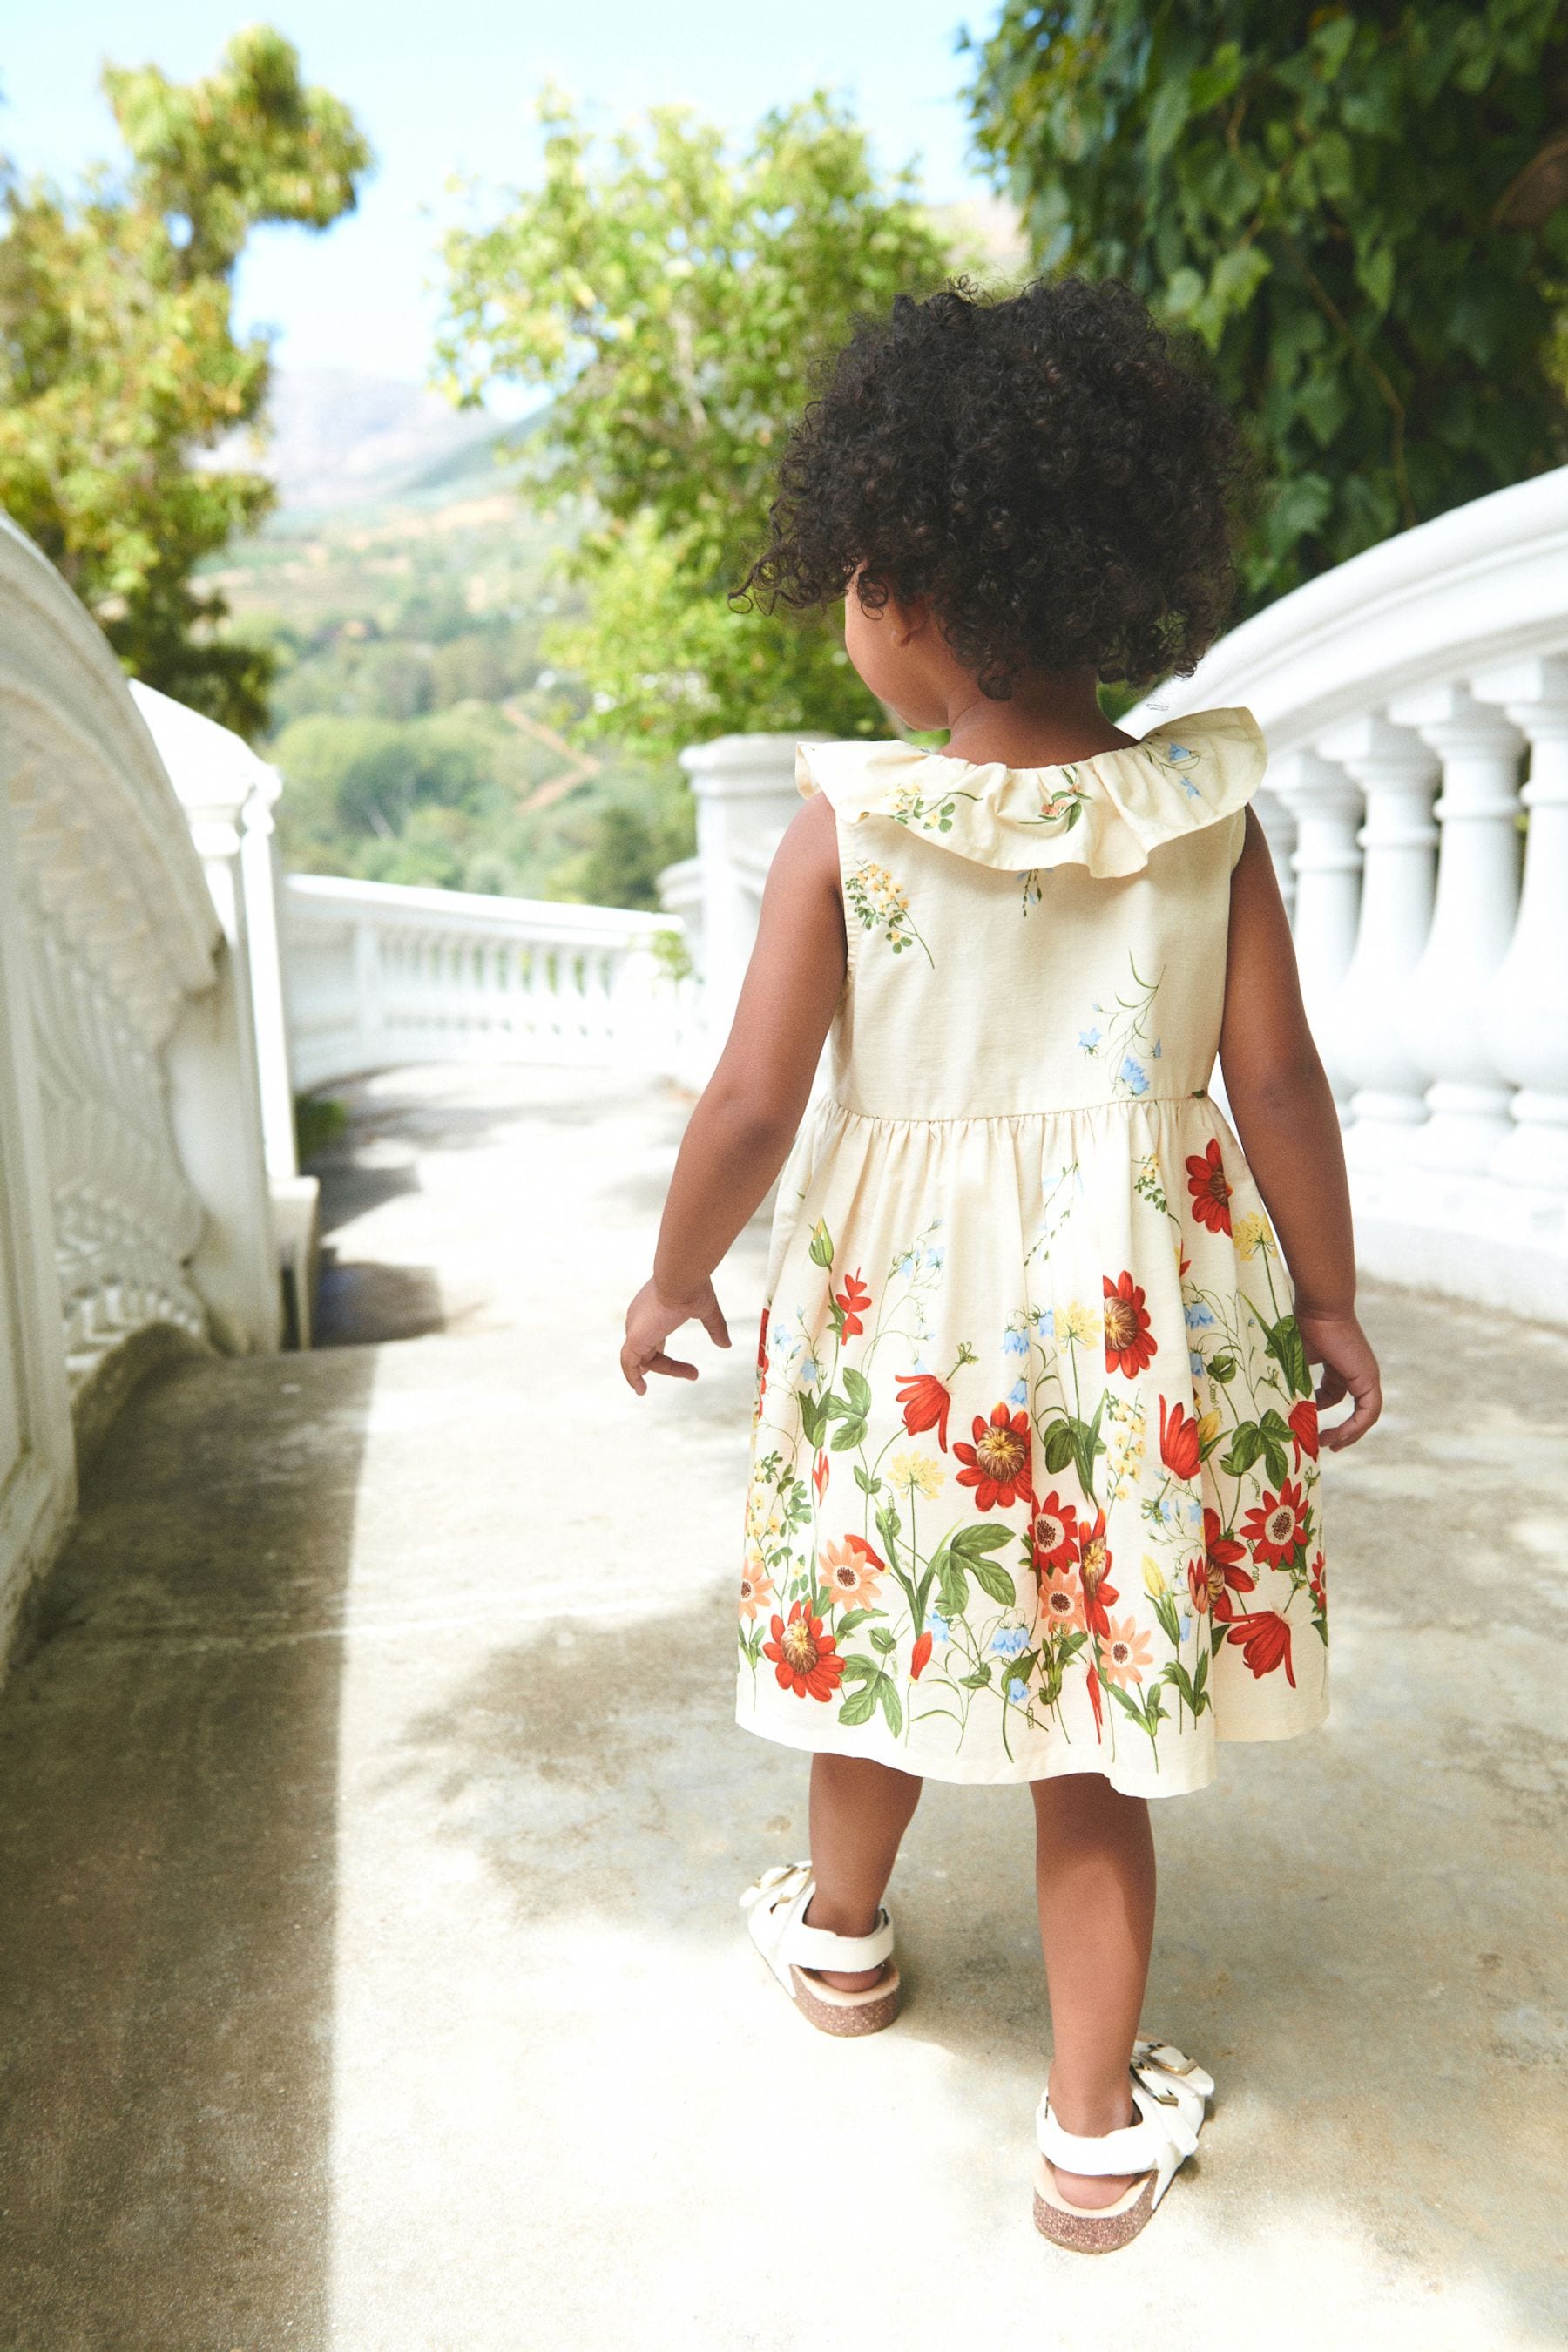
[(651, 1318), (1349, 1369)]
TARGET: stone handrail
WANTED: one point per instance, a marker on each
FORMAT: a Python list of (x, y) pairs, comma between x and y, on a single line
[(377, 974), (131, 1177), (1415, 701)]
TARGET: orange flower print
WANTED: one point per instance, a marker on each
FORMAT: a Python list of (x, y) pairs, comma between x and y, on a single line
[(1128, 1341), (925, 1404), (852, 1302), (1265, 1642), (1303, 1420), (1198, 1586), (1093, 1572), (1276, 1525), (1211, 1194), (1125, 1652), (1317, 1585), (997, 1464), (1061, 1605), (819, 1476), (919, 1657), (1054, 1535), (848, 1572), (805, 1659), (756, 1588), (1180, 1448)]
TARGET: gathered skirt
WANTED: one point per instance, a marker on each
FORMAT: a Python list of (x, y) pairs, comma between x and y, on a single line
[(1034, 1477)]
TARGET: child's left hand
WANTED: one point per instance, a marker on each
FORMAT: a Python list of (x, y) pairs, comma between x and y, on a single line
[(650, 1319)]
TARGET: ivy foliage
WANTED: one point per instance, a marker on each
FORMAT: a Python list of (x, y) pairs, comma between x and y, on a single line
[(1358, 209), (673, 297), (119, 364)]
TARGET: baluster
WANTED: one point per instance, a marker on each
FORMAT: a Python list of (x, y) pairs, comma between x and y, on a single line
[(1279, 831), (1529, 998), (1398, 771), (1448, 1025), (1326, 807)]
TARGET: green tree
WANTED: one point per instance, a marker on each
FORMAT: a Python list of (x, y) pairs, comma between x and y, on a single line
[(119, 364), (674, 302), (1358, 209)]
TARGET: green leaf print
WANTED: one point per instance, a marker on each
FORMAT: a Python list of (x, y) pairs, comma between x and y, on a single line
[(821, 1245), (1275, 1432), (1284, 1342), (860, 1705), (1222, 1369), (883, 1640), (888, 1698), (1245, 1448), (993, 1578), (812, 1418), (857, 1389), (852, 1619), (849, 1434)]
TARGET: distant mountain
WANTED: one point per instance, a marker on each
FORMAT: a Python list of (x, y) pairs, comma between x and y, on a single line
[(340, 438)]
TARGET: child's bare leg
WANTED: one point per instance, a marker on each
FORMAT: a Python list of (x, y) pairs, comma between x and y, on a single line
[(859, 1811), (1095, 1877)]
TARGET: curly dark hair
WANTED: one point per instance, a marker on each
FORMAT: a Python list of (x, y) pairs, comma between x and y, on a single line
[(1048, 468)]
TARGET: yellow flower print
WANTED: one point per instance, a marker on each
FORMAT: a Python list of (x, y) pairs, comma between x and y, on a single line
[(920, 1473), (1080, 1323), (1251, 1234)]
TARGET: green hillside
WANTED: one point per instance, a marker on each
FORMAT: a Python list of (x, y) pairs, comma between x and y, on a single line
[(422, 735)]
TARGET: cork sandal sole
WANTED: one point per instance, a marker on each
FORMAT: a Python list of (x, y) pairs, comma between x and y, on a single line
[(1085, 2232), (832, 2011)]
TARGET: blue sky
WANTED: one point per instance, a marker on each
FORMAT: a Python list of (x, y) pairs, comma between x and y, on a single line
[(447, 86)]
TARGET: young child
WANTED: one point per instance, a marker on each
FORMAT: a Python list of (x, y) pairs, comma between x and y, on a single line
[(1035, 1481)]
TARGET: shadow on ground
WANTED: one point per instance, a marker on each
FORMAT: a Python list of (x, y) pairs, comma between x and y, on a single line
[(168, 1752)]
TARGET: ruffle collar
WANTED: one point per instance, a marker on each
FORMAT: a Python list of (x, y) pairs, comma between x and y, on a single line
[(1105, 813)]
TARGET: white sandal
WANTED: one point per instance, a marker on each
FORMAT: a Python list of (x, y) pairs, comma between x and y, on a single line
[(776, 1908), (1170, 2094)]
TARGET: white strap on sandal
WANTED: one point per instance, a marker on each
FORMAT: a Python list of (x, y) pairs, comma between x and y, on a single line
[(777, 1908), (1170, 2094)]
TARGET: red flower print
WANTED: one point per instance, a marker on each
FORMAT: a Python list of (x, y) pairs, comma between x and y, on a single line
[(1317, 1584), (1198, 1586), (926, 1405), (819, 1476), (805, 1659), (919, 1657), (1054, 1535), (997, 1464), (1276, 1525), (1094, 1572), (1179, 1446), (853, 1300), (1221, 1566), (1211, 1194), (1303, 1421), (1128, 1341), (1264, 1643)]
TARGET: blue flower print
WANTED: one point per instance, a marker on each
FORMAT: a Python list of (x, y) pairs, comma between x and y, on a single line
[(1018, 1395), (809, 1373), (1089, 1039), (1199, 1317), (1197, 1362), (936, 1255), (1046, 1324), (1014, 1343), (1133, 1075), (936, 1626), (1009, 1640), (1018, 1691)]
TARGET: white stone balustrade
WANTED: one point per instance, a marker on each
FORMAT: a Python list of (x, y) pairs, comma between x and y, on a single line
[(130, 1168), (1404, 696), (377, 975)]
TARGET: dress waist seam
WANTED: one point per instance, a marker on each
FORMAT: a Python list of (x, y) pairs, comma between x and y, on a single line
[(1017, 1118)]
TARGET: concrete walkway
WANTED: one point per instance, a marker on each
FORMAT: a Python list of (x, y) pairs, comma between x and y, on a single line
[(373, 1821)]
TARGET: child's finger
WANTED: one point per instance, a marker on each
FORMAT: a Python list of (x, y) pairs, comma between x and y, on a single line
[(714, 1323), (1331, 1387), (1368, 1395), (674, 1368)]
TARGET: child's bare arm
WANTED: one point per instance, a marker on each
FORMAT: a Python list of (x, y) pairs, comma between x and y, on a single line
[(1290, 1131), (741, 1131)]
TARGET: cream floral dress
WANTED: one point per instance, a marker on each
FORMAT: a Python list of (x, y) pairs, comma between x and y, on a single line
[(1034, 1484)]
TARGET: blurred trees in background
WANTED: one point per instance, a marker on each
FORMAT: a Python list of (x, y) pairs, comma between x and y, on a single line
[(1358, 209), (119, 367), (674, 300)]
